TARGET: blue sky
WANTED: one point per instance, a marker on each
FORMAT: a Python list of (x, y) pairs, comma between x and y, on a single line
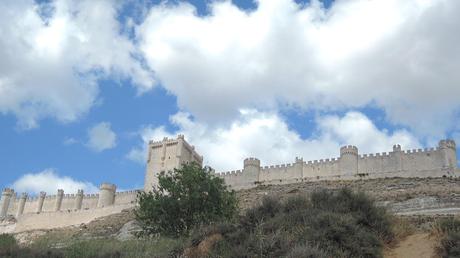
[(84, 85)]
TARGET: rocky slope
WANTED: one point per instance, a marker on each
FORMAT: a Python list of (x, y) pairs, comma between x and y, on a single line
[(423, 199)]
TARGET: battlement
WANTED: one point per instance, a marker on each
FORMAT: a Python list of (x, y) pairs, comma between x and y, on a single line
[(8, 192), (251, 162), (349, 150), (232, 173), (427, 162), (127, 192), (108, 187), (447, 144)]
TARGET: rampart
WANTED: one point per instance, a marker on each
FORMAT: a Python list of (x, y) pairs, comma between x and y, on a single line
[(49, 211), (350, 165)]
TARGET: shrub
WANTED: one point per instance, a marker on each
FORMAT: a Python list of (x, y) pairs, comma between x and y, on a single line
[(329, 224), (360, 206), (450, 237), (185, 198), (306, 251)]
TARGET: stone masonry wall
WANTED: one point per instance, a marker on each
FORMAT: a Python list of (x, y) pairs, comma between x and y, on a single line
[(433, 162), (89, 202)]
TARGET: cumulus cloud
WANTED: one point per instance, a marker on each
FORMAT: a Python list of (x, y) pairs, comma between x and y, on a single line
[(49, 181), (54, 53), (401, 56), (268, 137), (101, 137)]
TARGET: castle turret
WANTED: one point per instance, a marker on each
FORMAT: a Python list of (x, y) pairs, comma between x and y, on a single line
[(106, 195), (251, 170), (349, 160), (41, 200), (299, 167), (22, 204), (59, 197), (397, 157), (5, 201), (449, 153), (79, 200)]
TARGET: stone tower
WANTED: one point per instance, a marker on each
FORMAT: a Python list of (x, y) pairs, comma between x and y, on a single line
[(167, 155), (449, 155), (348, 161), (251, 170), (106, 195), (7, 194)]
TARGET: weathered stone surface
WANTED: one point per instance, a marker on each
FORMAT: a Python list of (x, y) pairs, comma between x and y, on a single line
[(128, 231)]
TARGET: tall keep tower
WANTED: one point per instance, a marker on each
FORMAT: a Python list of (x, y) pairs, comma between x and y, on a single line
[(167, 155)]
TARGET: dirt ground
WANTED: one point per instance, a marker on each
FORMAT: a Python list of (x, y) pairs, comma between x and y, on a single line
[(419, 245)]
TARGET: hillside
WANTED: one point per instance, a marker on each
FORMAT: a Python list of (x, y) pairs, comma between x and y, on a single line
[(423, 199)]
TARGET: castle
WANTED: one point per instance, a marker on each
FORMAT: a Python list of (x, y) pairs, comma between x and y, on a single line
[(20, 213)]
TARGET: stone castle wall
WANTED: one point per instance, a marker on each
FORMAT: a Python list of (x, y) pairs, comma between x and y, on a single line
[(89, 202), (433, 162), (63, 209), (59, 210)]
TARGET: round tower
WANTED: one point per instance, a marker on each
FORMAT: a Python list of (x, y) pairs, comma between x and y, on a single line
[(449, 153), (5, 201), (106, 195), (251, 170), (41, 200), (349, 160), (79, 199), (22, 203), (59, 197)]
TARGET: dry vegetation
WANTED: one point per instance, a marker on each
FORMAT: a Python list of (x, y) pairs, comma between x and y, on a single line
[(272, 233)]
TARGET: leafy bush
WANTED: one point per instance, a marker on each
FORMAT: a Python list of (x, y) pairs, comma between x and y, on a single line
[(450, 240), (185, 198), (328, 224)]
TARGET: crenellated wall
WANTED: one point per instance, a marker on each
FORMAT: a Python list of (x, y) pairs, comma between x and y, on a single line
[(61, 209), (69, 203), (433, 162)]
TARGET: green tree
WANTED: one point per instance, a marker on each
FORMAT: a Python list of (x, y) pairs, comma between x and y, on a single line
[(185, 198)]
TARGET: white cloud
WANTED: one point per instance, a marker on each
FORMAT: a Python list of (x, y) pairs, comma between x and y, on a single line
[(268, 137), (53, 54), (49, 181), (402, 56), (101, 137), (70, 141)]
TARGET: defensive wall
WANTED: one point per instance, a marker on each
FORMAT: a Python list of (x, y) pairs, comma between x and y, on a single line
[(430, 162), (23, 212), (50, 211)]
